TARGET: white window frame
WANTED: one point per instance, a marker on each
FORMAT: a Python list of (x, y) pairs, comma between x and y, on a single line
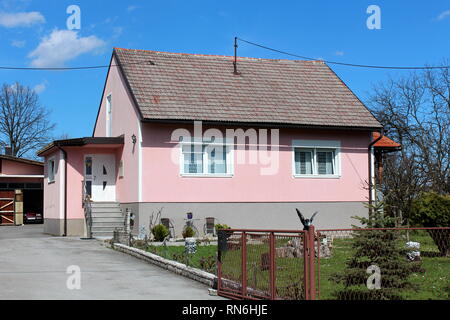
[(108, 115), (318, 145), (229, 159), (51, 178)]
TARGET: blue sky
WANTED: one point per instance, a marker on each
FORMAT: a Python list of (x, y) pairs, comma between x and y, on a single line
[(34, 33)]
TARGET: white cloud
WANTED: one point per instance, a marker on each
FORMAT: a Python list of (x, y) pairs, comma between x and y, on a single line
[(20, 19), (39, 88), (444, 15), (339, 53), (132, 8), (117, 32), (18, 43), (62, 46)]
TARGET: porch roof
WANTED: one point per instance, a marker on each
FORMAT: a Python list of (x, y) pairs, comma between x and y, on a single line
[(385, 143), (83, 142)]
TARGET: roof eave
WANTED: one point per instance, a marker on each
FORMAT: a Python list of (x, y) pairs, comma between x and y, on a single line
[(263, 124), (79, 142)]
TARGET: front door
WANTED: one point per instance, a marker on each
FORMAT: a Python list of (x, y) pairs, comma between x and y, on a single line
[(99, 174)]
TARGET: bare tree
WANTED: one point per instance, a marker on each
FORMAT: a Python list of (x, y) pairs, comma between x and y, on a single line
[(415, 111), (24, 122)]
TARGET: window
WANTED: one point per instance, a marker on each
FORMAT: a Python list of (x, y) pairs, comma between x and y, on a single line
[(88, 166), (109, 115), (206, 159), (88, 188), (51, 170), (316, 158)]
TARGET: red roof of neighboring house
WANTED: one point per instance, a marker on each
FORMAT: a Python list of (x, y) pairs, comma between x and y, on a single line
[(187, 87), (385, 142)]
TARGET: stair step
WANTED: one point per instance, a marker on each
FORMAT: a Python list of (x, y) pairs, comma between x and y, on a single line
[(107, 226), (108, 218), (105, 209), (102, 235), (111, 225), (105, 204)]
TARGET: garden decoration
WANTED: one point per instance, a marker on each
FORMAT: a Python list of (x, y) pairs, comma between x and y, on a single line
[(306, 222)]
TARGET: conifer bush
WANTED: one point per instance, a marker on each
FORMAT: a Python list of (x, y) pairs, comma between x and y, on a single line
[(382, 248)]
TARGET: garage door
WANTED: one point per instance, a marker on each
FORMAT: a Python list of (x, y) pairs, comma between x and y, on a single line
[(7, 207)]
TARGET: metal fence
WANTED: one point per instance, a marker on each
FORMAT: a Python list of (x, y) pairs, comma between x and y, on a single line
[(264, 264), (345, 264)]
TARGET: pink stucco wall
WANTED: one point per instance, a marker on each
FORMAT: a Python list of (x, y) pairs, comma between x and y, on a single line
[(52, 190), (124, 122), (19, 168), (162, 181), (54, 193)]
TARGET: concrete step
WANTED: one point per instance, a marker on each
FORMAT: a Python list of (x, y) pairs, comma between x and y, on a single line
[(106, 210), (105, 204), (106, 226), (107, 219), (109, 224), (102, 235)]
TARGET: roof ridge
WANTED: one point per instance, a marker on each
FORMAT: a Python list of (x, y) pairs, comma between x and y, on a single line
[(218, 55)]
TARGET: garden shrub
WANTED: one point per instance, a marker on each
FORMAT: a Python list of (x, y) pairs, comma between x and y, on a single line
[(384, 249), (188, 232), (219, 226), (160, 231), (433, 210), (208, 264)]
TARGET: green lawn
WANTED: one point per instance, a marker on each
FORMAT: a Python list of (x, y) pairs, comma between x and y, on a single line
[(433, 283)]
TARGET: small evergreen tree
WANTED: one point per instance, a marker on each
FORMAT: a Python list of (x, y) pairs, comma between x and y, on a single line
[(381, 248)]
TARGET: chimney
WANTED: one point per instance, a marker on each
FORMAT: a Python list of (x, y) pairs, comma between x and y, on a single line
[(8, 151)]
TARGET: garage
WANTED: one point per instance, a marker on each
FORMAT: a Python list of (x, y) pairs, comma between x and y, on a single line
[(21, 191), (7, 208)]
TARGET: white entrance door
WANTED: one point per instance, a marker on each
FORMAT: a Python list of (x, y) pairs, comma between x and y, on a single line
[(100, 178)]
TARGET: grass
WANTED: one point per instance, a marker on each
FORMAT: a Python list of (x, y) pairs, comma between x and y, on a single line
[(176, 253), (433, 283)]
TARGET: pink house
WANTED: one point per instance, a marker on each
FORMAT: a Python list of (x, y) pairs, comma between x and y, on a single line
[(185, 133)]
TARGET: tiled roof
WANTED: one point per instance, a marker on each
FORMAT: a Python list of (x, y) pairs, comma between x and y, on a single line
[(174, 86), (385, 142)]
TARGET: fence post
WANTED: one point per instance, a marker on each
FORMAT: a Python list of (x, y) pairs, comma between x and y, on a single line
[(244, 263), (305, 264), (272, 266), (311, 263)]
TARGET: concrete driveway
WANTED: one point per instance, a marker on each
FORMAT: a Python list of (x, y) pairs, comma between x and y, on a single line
[(34, 265)]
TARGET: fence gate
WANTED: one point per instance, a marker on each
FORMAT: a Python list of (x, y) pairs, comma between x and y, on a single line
[(266, 264), (6, 207)]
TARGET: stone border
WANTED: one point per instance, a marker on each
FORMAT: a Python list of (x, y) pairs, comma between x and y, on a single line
[(179, 268)]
